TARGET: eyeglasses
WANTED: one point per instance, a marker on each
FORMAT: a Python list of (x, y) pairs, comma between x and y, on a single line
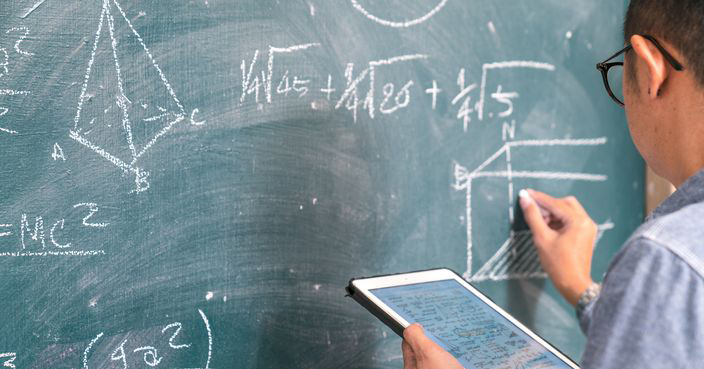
[(612, 72)]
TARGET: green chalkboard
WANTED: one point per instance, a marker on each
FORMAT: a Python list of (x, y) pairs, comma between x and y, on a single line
[(190, 184)]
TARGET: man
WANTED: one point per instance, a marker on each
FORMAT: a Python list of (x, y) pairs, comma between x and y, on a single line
[(650, 311)]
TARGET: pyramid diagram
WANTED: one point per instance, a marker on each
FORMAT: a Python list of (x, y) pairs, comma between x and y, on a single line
[(516, 257), (126, 104)]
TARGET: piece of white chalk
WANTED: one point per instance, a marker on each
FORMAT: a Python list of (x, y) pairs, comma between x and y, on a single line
[(526, 195)]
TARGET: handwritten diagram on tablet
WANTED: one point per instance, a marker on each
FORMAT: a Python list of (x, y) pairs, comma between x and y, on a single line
[(478, 336)]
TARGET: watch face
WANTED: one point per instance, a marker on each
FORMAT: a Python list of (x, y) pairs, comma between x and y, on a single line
[(587, 296)]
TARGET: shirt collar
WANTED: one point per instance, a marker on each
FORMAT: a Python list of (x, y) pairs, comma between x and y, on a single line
[(690, 192)]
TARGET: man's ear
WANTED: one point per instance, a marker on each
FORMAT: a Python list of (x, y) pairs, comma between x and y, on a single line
[(654, 61)]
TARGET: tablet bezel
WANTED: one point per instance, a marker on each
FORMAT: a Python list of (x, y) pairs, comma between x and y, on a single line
[(365, 285)]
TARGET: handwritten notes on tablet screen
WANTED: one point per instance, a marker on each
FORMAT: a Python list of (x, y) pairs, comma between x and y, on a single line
[(190, 184)]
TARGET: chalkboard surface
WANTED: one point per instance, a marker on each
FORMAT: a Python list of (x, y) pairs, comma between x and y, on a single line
[(190, 184)]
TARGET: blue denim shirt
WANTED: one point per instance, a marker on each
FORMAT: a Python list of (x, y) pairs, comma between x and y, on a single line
[(650, 313)]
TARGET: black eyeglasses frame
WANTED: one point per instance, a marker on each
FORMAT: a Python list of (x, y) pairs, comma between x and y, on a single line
[(604, 66)]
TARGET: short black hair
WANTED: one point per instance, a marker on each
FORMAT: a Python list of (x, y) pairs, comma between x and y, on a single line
[(679, 22)]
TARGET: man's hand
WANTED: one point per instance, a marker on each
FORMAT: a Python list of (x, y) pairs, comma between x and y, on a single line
[(564, 236), (420, 352)]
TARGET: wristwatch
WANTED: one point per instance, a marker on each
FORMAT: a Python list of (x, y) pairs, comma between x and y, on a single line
[(589, 295)]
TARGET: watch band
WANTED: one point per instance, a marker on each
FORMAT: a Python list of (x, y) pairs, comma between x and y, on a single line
[(590, 294)]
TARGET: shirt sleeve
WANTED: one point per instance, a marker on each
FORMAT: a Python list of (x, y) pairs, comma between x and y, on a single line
[(650, 313)]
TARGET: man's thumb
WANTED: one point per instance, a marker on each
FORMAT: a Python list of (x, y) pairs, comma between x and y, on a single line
[(416, 338)]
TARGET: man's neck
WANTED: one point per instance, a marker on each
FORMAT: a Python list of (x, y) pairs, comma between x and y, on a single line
[(688, 145), (678, 153)]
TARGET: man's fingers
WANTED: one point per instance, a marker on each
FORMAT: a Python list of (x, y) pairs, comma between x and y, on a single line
[(417, 339), (565, 210), (409, 358), (425, 352), (557, 207), (534, 218), (576, 205)]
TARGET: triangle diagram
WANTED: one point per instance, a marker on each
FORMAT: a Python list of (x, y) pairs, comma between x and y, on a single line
[(126, 103)]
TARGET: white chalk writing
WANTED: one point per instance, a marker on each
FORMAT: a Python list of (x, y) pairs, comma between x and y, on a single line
[(4, 111), (350, 97), (253, 83), (151, 356), (262, 82), (58, 153), (178, 327), (33, 238), (131, 351), (121, 357), (8, 359), (93, 208), (5, 62), (25, 34)]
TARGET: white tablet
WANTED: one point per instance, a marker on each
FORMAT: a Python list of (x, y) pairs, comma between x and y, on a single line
[(458, 317)]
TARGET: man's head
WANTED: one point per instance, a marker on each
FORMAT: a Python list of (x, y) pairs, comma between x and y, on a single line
[(665, 107)]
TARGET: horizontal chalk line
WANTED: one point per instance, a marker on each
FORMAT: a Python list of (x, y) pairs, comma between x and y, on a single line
[(53, 253), (520, 64), (544, 175), (14, 92), (561, 142)]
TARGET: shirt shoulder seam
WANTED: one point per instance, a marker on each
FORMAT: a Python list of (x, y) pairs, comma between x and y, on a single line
[(679, 251)]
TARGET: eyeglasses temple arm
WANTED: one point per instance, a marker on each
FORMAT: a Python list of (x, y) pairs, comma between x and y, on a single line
[(675, 64)]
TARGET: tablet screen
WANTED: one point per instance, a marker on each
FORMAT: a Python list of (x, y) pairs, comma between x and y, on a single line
[(464, 325)]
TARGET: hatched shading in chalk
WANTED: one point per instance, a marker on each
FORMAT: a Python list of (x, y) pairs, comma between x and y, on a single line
[(518, 259)]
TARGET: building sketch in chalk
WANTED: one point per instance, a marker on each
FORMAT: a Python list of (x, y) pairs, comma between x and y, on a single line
[(516, 257), (111, 119), (399, 23)]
